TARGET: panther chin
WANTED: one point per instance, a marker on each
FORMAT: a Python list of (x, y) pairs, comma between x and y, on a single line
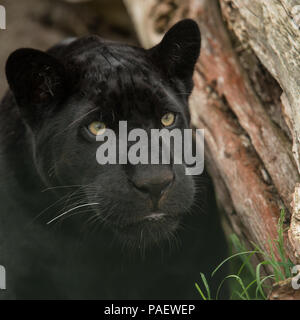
[(151, 230)]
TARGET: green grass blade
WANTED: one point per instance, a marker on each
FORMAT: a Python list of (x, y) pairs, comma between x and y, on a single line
[(200, 291), (249, 287), (206, 286), (259, 286), (240, 247), (229, 258), (240, 281), (258, 280)]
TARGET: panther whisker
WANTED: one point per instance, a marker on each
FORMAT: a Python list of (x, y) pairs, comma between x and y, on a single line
[(68, 197), (62, 187), (49, 207), (68, 211)]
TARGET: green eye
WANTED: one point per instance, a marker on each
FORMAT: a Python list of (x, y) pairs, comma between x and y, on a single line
[(168, 119), (97, 128)]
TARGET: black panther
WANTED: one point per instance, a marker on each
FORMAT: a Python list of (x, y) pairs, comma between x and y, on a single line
[(73, 229)]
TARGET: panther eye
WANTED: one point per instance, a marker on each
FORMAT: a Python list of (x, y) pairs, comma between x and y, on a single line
[(168, 119), (97, 128)]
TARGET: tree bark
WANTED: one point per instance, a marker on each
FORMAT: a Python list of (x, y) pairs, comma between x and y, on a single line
[(247, 98)]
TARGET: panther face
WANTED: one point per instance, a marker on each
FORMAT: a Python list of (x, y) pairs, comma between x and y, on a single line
[(76, 91)]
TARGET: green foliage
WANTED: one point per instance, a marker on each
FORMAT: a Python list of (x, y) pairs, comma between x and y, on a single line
[(248, 282)]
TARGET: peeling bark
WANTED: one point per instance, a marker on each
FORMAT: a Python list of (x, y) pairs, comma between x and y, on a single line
[(256, 208), (271, 29)]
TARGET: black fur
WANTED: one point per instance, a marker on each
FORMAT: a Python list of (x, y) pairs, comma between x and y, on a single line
[(48, 167)]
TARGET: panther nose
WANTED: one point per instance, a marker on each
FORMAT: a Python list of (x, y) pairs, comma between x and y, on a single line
[(154, 184)]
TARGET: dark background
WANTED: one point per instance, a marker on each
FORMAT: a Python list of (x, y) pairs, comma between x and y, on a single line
[(40, 24)]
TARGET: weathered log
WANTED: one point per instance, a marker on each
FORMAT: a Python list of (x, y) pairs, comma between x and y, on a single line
[(294, 231), (238, 164), (284, 291), (251, 152), (272, 29)]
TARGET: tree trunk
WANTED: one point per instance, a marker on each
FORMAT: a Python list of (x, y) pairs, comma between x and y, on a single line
[(247, 98)]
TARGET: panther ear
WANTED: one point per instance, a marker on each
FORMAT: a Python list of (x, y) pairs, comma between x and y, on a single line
[(179, 51), (37, 81)]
